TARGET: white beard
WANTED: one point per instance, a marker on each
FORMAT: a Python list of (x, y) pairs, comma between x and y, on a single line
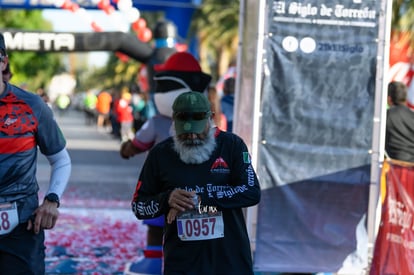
[(198, 152)]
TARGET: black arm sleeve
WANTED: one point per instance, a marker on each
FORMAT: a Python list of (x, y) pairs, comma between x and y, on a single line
[(150, 200)]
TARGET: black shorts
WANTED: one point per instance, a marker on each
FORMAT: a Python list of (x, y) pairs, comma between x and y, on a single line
[(22, 252)]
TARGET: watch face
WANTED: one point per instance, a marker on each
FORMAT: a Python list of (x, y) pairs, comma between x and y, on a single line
[(52, 197)]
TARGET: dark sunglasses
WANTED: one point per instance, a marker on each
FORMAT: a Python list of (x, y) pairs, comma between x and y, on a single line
[(191, 115)]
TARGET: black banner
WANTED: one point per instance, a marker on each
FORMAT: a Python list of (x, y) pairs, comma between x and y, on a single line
[(316, 135)]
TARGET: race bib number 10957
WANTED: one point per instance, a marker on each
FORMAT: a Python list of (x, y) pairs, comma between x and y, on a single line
[(195, 226)]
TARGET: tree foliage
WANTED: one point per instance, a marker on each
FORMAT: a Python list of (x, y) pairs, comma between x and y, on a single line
[(116, 74), (215, 25), (29, 68), (402, 15)]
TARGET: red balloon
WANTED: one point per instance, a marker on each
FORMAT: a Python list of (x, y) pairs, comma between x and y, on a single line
[(67, 5), (141, 23), (96, 27), (135, 26), (109, 10), (145, 35), (123, 57), (74, 7), (103, 4)]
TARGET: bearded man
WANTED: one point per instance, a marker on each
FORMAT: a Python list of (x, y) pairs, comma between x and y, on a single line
[(201, 178), (180, 73)]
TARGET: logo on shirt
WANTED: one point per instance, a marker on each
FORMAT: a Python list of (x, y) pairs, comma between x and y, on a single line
[(220, 166), (16, 117), (9, 121)]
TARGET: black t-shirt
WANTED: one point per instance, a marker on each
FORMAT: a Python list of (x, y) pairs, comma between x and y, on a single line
[(399, 138), (226, 182)]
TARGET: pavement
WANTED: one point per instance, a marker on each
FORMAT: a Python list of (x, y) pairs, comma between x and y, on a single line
[(97, 168)]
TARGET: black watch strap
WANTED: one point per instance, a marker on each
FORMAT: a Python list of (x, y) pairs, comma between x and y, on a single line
[(53, 197)]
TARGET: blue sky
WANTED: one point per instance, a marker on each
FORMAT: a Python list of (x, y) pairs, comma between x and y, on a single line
[(67, 21)]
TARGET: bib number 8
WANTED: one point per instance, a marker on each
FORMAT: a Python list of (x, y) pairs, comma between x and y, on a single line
[(9, 218), (5, 223)]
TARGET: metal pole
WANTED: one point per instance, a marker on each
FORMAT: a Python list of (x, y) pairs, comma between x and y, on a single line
[(251, 217), (378, 141)]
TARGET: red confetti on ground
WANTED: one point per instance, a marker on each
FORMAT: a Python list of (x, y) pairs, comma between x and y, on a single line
[(93, 241)]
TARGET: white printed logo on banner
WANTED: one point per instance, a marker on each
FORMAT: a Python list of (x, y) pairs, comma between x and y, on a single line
[(308, 45), (290, 44)]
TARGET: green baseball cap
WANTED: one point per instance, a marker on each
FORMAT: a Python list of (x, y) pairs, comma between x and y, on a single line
[(191, 111)]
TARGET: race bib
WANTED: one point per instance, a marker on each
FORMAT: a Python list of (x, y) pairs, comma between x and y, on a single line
[(194, 226), (9, 218)]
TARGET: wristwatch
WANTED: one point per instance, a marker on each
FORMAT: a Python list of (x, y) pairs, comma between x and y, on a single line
[(53, 197)]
